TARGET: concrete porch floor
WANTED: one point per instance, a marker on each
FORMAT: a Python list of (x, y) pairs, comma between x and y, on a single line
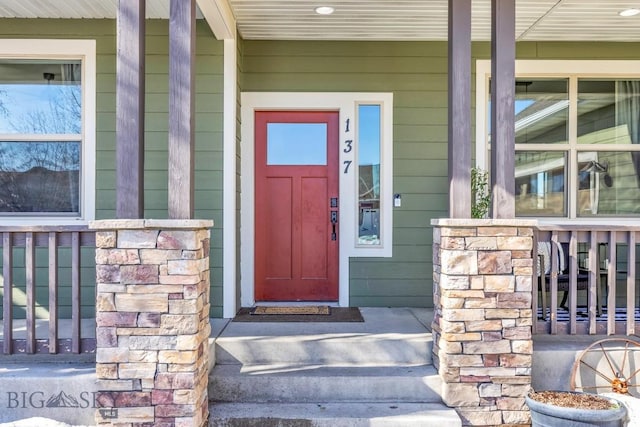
[(377, 321), (28, 382)]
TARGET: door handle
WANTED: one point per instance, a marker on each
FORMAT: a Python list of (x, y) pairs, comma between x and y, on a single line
[(334, 221)]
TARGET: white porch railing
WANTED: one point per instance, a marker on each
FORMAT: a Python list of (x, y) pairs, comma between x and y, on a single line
[(593, 267)]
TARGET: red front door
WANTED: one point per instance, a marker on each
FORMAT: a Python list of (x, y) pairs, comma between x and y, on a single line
[(296, 197)]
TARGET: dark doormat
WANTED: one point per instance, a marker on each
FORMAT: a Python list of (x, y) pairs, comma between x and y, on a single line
[(336, 314)]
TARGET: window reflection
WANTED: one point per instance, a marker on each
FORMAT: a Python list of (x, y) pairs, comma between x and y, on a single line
[(296, 143), (38, 97), (43, 98), (608, 113), (608, 184), (541, 111), (39, 177), (540, 183), (369, 174)]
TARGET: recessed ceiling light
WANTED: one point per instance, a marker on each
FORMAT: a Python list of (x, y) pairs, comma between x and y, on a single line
[(324, 10), (629, 12)]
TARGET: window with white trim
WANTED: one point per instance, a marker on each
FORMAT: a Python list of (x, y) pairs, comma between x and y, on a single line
[(577, 137), (47, 132)]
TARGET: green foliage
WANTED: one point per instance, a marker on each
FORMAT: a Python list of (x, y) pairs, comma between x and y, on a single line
[(480, 194)]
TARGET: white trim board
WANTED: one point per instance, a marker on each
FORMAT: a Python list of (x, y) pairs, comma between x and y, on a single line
[(346, 104), (229, 241), (84, 50)]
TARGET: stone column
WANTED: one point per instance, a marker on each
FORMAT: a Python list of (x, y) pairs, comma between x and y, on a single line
[(152, 316), (482, 274)]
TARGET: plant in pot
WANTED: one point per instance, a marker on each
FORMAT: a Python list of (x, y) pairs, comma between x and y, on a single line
[(574, 409)]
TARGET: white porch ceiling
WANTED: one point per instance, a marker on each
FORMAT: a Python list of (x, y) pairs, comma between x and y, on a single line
[(561, 20)]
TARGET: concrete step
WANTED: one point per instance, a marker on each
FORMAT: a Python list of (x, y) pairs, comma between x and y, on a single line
[(341, 350), (313, 383), (332, 415), (388, 337), (64, 392), (372, 373)]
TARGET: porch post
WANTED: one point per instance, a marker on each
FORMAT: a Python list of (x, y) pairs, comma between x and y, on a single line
[(130, 88), (152, 319), (482, 342), (459, 109), (182, 42), (503, 56)]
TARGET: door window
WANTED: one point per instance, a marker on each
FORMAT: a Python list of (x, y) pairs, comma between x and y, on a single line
[(296, 144)]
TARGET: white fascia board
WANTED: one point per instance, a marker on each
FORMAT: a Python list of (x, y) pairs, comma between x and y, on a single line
[(220, 18)]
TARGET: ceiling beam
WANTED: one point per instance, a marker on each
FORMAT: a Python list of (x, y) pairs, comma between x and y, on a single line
[(220, 18)]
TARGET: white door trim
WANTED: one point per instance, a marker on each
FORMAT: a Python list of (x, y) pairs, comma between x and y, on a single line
[(346, 104)]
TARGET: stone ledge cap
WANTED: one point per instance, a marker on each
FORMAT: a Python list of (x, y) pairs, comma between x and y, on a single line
[(470, 222), (141, 224)]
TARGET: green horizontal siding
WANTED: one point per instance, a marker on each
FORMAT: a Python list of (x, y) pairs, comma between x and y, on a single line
[(208, 138), (416, 73)]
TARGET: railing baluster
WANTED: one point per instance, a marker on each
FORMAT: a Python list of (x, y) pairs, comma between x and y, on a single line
[(7, 301), (573, 280), (29, 239), (611, 284), (631, 283), (53, 292), (594, 281), (599, 244), (553, 282), (534, 282), (30, 272), (75, 292)]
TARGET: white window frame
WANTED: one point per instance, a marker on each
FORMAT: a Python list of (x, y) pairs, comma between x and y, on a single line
[(346, 104), (560, 69), (84, 51)]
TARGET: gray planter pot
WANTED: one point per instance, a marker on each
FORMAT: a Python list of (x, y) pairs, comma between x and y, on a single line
[(545, 415)]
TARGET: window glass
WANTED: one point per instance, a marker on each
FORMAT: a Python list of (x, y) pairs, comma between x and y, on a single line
[(608, 183), (541, 111), (578, 150), (41, 124), (296, 143), (369, 174), (540, 183), (40, 97), (608, 111), (39, 177)]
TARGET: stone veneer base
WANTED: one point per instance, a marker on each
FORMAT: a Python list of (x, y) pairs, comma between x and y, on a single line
[(482, 325), (152, 316)]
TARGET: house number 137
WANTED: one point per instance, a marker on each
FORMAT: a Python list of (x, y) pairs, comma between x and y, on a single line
[(348, 148)]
